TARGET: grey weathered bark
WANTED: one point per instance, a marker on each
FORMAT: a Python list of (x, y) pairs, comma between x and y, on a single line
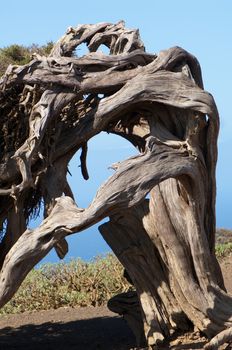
[(52, 106)]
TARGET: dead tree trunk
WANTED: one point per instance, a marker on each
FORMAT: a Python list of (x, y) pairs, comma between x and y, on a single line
[(52, 106)]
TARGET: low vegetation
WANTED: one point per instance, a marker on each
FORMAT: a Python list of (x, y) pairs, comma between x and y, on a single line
[(76, 283), (19, 54), (223, 250), (224, 243), (80, 283)]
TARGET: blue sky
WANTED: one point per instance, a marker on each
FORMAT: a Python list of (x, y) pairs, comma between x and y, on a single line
[(202, 27)]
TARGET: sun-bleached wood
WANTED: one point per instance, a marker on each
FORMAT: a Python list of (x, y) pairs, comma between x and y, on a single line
[(51, 107)]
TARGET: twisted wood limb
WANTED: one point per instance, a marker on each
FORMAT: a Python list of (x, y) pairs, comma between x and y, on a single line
[(221, 338), (66, 218), (52, 106)]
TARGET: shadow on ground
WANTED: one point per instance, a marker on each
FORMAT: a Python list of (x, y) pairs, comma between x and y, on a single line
[(102, 333)]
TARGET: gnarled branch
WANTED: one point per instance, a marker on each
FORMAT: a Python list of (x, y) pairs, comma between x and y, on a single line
[(52, 106)]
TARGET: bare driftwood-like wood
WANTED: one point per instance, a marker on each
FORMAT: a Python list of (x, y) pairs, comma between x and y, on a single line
[(49, 110)]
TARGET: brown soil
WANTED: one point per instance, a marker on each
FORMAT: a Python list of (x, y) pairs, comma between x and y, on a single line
[(85, 329)]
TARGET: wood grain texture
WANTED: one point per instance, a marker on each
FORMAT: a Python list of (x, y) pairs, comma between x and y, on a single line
[(51, 107)]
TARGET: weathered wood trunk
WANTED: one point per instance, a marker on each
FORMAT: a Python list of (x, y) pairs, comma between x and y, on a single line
[(51, 107)]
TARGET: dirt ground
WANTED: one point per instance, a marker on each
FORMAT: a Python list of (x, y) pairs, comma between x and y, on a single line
[(84, 329)]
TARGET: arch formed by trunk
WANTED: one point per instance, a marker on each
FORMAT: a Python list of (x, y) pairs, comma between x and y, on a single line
[(52, 106)]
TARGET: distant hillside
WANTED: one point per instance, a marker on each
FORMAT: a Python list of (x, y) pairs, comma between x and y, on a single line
[(223, 235)]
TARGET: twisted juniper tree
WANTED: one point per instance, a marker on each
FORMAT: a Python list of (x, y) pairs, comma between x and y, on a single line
[(51, 107)]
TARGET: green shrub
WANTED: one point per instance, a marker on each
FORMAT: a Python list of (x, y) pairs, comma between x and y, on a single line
[(223, 250), (16, 53), (77, 283), (20, 55)]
